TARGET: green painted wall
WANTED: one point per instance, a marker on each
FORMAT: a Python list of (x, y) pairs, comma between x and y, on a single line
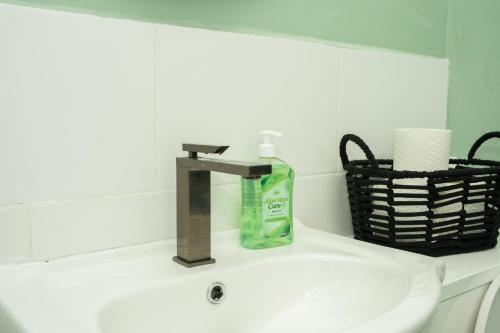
[(415, 26), (473, 47)]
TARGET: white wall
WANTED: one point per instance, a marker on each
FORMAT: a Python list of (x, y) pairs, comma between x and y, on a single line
[(93, 112)]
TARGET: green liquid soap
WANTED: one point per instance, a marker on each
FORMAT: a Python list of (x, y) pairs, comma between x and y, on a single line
[(266, 214)]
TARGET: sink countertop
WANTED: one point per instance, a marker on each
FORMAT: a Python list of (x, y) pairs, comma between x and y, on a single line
[(469, 270)]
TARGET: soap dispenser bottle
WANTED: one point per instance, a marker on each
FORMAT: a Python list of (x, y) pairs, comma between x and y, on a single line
[(267, 210)]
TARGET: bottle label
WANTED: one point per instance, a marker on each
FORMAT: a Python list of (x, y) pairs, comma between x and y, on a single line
[(276, 206)]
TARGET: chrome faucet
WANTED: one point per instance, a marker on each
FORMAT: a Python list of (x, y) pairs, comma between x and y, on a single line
[(193, 199)]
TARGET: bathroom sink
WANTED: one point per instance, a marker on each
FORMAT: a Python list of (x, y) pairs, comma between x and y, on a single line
[(321, 283)]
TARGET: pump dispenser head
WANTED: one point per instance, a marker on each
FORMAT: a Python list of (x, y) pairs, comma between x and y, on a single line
[(267, 147)]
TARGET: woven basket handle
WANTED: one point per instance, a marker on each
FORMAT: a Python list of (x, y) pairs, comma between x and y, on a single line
[(480, 141), (364, 147)]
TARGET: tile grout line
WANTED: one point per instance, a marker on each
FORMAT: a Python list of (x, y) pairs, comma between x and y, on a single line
[(30, 226), (337, 109), (101, 197), (142, 193), (155, 106), (14, 205)]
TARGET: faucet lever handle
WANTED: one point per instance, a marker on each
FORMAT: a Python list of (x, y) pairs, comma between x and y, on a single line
[(194, 149)]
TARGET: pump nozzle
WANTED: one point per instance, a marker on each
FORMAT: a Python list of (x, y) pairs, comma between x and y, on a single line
[(267, 147)]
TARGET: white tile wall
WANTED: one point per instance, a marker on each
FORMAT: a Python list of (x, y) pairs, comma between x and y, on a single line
[(93, 112), (226, 205), (77, 226), (321, 202), (15, 239), (76, 101), (382, 91), (225, 88)]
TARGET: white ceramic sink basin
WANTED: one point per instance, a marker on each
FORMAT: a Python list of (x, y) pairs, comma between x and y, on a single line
[(321, 283)]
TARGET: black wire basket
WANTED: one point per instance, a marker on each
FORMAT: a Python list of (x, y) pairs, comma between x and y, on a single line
[(433, 213)]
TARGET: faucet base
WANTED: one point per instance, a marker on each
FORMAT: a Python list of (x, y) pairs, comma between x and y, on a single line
[(195, 263)]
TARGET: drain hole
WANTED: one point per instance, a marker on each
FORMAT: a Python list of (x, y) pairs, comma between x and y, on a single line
[(215, 293)]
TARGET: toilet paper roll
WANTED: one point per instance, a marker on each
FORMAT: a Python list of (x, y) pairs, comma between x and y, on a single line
[(381, 191), (417, 220), (420, 149), (403, 209), (479, 207), (454, 208), (477, 194), (417, 149)]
